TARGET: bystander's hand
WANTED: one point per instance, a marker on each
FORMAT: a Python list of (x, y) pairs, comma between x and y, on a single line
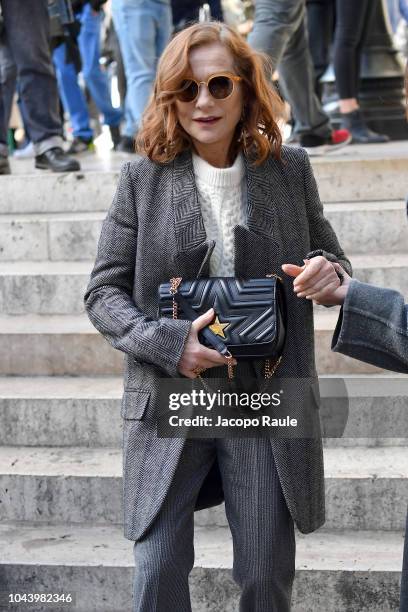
[(317, 280)]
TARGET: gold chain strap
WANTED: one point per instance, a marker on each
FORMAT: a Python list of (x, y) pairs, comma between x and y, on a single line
[(174, 285), (230, 366), (275, 275), (269, 369)]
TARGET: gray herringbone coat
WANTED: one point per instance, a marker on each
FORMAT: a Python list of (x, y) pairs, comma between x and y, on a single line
[(154, 230)]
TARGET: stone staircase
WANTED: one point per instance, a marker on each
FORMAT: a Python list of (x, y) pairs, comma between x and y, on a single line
[(60, 391)]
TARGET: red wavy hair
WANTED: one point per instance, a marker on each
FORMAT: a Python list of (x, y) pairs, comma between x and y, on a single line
[(161, 137)]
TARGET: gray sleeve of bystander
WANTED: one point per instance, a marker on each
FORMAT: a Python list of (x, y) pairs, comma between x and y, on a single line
[(373, 327)]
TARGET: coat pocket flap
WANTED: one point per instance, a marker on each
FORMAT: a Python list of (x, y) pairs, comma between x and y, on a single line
[(134, 403)]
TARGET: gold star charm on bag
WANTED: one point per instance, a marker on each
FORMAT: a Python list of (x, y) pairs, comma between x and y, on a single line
[(218, 328)]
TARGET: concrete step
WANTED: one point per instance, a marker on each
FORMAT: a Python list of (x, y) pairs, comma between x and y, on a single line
[(382, 270), (58, 287), (357, 572), (366, 488), (31, 287), (60, 345), (354, 174), (370, 227), (88, 191), (50, 236), (60, 411), (74, 236), (85, 411), (55, 345)]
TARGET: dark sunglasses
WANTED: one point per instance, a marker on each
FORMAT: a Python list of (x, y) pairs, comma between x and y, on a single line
[(221, 86)]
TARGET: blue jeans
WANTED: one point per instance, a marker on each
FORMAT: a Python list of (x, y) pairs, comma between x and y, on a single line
[(96, 80), (143, 28)]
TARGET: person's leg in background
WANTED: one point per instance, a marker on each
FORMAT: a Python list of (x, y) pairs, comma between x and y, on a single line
[(73, 100), (26, 32), (394, 13), (216, 10), (260, 522), (280, 30), (96, 80), (164, 556), (8, 76), (26, 148), (276, 24), (120, 69), (351, 24), (320, 22), (140, 35), (164, 24)]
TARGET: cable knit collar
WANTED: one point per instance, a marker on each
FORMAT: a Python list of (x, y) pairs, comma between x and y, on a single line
[(219, 177)]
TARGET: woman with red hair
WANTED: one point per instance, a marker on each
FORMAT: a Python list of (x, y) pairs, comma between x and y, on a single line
[(214, 193)]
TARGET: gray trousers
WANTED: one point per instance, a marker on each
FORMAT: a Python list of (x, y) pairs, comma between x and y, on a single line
[(280, 30), (261, 527)]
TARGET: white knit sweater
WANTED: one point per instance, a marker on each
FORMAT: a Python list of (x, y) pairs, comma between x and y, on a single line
[(222, 207)]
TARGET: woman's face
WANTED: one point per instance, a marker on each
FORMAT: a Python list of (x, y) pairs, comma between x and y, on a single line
[(210, 122)]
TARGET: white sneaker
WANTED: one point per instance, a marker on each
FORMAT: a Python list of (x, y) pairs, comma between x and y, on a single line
[(25, 153)]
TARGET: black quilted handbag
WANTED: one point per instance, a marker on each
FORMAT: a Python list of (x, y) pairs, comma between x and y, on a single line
[(250, 314)]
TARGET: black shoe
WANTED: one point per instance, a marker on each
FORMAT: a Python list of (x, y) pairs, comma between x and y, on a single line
[(293, 139), (57, 160), (4, 165), (126, 145), (115, 136), (361, 133), (320, 145), (81, 145)]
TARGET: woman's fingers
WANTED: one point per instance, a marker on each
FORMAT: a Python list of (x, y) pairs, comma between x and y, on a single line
[(323, 275), (324, 295), (203, 360), (292, 270), (319, 285), (315, 269), (212, 356), (203, 320), (197, 355)]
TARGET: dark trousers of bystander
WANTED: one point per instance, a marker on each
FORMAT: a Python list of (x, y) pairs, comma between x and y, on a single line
[(320, 25), (352, 19), (8, 76), (26, 40)]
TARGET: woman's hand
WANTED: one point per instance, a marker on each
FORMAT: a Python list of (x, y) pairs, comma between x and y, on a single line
[(317, 280), (196, 356)]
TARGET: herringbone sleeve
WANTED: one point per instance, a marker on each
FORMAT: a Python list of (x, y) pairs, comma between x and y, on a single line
[(108, 298)]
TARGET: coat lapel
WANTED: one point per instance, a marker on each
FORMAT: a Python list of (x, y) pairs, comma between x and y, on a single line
[(258, 249), (193, 249), (257, 245)]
